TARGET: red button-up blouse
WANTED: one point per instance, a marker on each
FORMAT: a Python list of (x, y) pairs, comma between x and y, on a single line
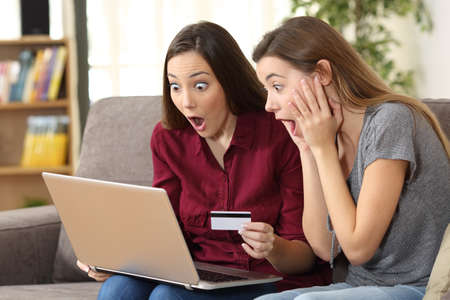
[(261, 174)]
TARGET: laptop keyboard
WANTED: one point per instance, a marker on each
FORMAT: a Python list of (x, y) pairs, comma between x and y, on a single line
[(217, 277)]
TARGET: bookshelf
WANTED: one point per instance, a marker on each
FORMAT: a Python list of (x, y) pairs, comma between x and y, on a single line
[(20, 184)]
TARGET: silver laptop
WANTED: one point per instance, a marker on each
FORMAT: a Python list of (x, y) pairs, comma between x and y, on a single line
[(132, 230)]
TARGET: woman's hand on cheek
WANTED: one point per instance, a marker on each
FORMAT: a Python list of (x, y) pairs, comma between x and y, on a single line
[(312, 113), (335, 105), (298, 137), (258, 238)]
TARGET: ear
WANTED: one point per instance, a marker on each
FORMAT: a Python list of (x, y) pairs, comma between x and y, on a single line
[(323, 69)]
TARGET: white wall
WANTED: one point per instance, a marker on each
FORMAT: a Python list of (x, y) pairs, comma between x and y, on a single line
[(434, 54), (428, 54)]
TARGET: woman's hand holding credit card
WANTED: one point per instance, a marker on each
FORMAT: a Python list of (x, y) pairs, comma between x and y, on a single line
[(258, 236), (259, 239)]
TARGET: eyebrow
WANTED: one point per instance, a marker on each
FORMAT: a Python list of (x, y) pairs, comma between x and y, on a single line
[(273, 75), (190, 76)]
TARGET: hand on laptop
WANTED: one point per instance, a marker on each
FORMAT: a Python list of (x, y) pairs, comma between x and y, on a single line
[(98, 276), (258, 239)]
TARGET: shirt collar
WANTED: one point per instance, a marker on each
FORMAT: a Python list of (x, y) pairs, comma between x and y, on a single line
[(242, 136), (244, 133)]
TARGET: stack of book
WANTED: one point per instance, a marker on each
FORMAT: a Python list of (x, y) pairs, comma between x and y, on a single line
[(34, 77), (46, 140)]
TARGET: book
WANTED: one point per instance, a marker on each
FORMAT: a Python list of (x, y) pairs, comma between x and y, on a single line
[(46, 141), (36, 73), (8, 77), (58, 145), (29, 81), (28, 144), (3, 98), (48, 74), (25, 61), (43, 70), (57, 75)]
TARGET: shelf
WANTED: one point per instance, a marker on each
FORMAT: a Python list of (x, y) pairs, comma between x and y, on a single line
[(34, 105), (31, 41), (16, 182), (18, 170)]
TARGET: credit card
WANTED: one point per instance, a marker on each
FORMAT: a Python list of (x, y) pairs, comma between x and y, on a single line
[(229, 220)]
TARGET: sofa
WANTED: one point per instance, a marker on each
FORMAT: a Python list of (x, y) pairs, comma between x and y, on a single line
[(36, 258)]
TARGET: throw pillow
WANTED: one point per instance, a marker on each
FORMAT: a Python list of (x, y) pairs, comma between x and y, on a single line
[(446, 296), (439, 283)]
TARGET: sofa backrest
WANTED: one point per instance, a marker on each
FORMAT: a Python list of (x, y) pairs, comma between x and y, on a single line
[(116, 140), (441, 108)]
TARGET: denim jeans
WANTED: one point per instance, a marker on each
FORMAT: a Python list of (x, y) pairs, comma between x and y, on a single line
[(344, 291), (131, 288)]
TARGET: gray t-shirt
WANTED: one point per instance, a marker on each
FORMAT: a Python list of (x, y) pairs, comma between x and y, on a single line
[(411, 243)]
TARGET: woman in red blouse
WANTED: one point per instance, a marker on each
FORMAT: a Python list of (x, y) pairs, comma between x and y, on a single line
[(216, 149)]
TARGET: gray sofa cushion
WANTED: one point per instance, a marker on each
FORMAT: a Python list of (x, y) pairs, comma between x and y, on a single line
[(439, 283), (116, 147), (66, 291), (441, 108), (28, 244)]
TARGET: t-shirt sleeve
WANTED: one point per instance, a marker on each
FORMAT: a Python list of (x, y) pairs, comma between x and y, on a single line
[(391, 136), (163, 176)]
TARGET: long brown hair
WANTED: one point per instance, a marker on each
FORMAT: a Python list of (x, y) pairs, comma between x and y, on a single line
[(243, 91), (303, 41)]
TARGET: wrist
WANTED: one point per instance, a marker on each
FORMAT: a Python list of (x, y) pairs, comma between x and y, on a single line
[(274, 253), (324, 150)]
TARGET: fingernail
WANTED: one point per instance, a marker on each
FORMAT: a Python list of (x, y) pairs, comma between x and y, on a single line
[(240, 231), (84, 267)]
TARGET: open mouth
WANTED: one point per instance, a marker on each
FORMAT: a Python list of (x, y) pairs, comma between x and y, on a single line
[(198, 123), (290, 125)]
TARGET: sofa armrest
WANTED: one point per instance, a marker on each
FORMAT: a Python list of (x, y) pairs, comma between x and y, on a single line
[(28, 238)]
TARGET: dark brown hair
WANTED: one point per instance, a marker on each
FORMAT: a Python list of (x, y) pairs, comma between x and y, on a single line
[(303, 41), (243, 91)]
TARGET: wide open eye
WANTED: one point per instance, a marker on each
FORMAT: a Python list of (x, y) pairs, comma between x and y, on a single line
[(174, 87), (277, 87), (201, 86)]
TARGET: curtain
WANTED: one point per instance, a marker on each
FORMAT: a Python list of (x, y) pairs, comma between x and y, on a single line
[(128, 39)]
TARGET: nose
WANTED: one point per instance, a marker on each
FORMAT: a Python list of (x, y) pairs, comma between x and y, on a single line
[(188, 100), (271, 105)]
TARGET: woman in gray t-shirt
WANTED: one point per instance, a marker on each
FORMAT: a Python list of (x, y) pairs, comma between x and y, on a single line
[(375, 164)]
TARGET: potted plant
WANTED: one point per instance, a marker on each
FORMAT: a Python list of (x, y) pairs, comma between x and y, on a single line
[(362, 23)]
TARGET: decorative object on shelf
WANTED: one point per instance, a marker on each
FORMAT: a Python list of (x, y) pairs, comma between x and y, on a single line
[(371, 38), (45, 143), (35, 17)]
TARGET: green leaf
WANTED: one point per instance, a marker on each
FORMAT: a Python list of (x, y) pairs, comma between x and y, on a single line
[(372, 39)]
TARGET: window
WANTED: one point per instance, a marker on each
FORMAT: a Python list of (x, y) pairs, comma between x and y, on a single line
[(128, 39)]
